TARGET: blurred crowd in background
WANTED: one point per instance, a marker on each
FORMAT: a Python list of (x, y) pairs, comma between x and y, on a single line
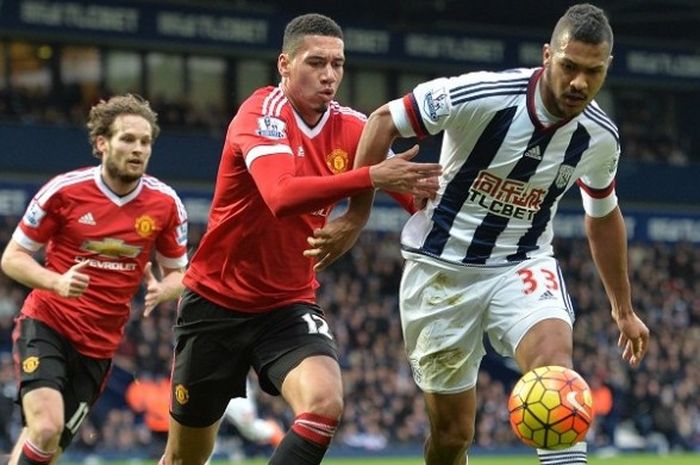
[(648, 122), (655, 407)]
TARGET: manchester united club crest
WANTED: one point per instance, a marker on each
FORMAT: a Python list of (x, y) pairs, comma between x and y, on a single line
[(30, 364), (337, 161), (145, 225), (182, 395)]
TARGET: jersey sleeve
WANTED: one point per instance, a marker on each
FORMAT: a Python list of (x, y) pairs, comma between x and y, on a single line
[(598, 185), (41, 219), (260, 133), (436, 105), (171, 245), (260, 126)]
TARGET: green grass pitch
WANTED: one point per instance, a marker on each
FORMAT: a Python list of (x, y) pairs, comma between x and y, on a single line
[(625, 459)]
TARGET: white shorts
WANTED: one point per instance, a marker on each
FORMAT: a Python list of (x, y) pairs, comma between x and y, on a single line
[(446, 309)]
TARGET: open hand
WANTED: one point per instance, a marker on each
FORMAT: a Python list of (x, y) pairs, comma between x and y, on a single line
[(634, 338), (399, 174)]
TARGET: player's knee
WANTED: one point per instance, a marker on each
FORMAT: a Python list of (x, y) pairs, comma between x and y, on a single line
[(550, 357), (452, 437), (45, 432), (327, 404)]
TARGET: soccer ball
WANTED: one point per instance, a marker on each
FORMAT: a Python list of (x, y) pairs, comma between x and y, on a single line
[(551, 407)]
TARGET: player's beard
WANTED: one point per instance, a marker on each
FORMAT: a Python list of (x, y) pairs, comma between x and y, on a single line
[(321, 108), (117, 174)]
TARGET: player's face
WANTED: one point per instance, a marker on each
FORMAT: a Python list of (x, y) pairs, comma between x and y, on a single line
[(311, 77), (574, 73), (125, 154)]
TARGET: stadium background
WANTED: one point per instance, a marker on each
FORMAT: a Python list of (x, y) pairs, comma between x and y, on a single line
[(196, 61)]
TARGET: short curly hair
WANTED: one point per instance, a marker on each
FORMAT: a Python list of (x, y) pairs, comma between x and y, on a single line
[(103, 114)]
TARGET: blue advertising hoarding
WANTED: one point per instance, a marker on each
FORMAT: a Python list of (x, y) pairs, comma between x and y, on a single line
[(230, 31), (642, 224)]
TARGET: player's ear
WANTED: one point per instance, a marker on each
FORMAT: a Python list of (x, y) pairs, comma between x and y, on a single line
[(283, 62), (546, 54), (101, 143)]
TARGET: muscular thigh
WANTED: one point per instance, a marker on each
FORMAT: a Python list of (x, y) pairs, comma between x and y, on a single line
[(47, 359), (528, 293), (441, 313)]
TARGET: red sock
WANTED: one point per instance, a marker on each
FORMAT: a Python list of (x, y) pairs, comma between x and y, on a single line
[(32, 455), (315, 428)]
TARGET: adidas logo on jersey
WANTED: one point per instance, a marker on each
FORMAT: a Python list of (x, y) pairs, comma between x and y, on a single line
[(534, 152), (547, 295), (87, 219)]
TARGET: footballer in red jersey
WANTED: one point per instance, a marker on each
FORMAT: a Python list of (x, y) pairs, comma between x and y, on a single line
[(99, 226), (250, 291)]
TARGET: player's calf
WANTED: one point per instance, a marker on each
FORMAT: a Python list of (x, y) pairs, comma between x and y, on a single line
[(307, 440)]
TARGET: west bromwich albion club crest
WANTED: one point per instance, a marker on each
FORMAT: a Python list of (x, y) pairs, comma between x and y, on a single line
[(564, 176), (337, 161)]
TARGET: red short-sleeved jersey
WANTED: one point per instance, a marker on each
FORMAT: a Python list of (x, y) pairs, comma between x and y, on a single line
[(78, 218), (249, 259)]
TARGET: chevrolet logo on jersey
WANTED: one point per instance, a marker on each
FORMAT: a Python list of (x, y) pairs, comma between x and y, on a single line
[(112, 248)]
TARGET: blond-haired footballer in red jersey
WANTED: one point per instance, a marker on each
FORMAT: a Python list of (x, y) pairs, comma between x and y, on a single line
[(99, 226)]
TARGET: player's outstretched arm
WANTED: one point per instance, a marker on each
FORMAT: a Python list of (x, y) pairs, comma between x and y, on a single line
[(19, 264), (169, 288), (607, 238), (398, 174), (339, 235)]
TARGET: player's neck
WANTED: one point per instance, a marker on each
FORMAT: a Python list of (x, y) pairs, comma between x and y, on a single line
[(118, 186), (309, 115)]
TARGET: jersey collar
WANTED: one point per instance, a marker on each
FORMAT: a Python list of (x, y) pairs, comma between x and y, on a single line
[(309, 131), (114, 198)]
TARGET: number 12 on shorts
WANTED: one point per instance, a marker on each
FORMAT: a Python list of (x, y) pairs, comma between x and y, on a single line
[(533, 279), (317, 325)]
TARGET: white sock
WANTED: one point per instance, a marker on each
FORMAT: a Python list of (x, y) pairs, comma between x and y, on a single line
[(574, 455)]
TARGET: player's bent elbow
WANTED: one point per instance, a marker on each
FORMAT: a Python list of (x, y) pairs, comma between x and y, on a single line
[(6, 263), (280, 209)]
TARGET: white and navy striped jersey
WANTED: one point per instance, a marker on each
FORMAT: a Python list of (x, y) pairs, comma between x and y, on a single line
[(504, 170)]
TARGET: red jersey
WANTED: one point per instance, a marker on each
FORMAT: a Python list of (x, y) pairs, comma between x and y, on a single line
[(278, 180), (79, 218)]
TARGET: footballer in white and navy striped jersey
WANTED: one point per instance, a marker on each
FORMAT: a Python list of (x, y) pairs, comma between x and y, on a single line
[(479, 256)]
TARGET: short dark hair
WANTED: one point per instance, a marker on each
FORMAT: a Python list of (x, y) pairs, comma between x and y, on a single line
[(311, 24), (586, 23), (103, 114)]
